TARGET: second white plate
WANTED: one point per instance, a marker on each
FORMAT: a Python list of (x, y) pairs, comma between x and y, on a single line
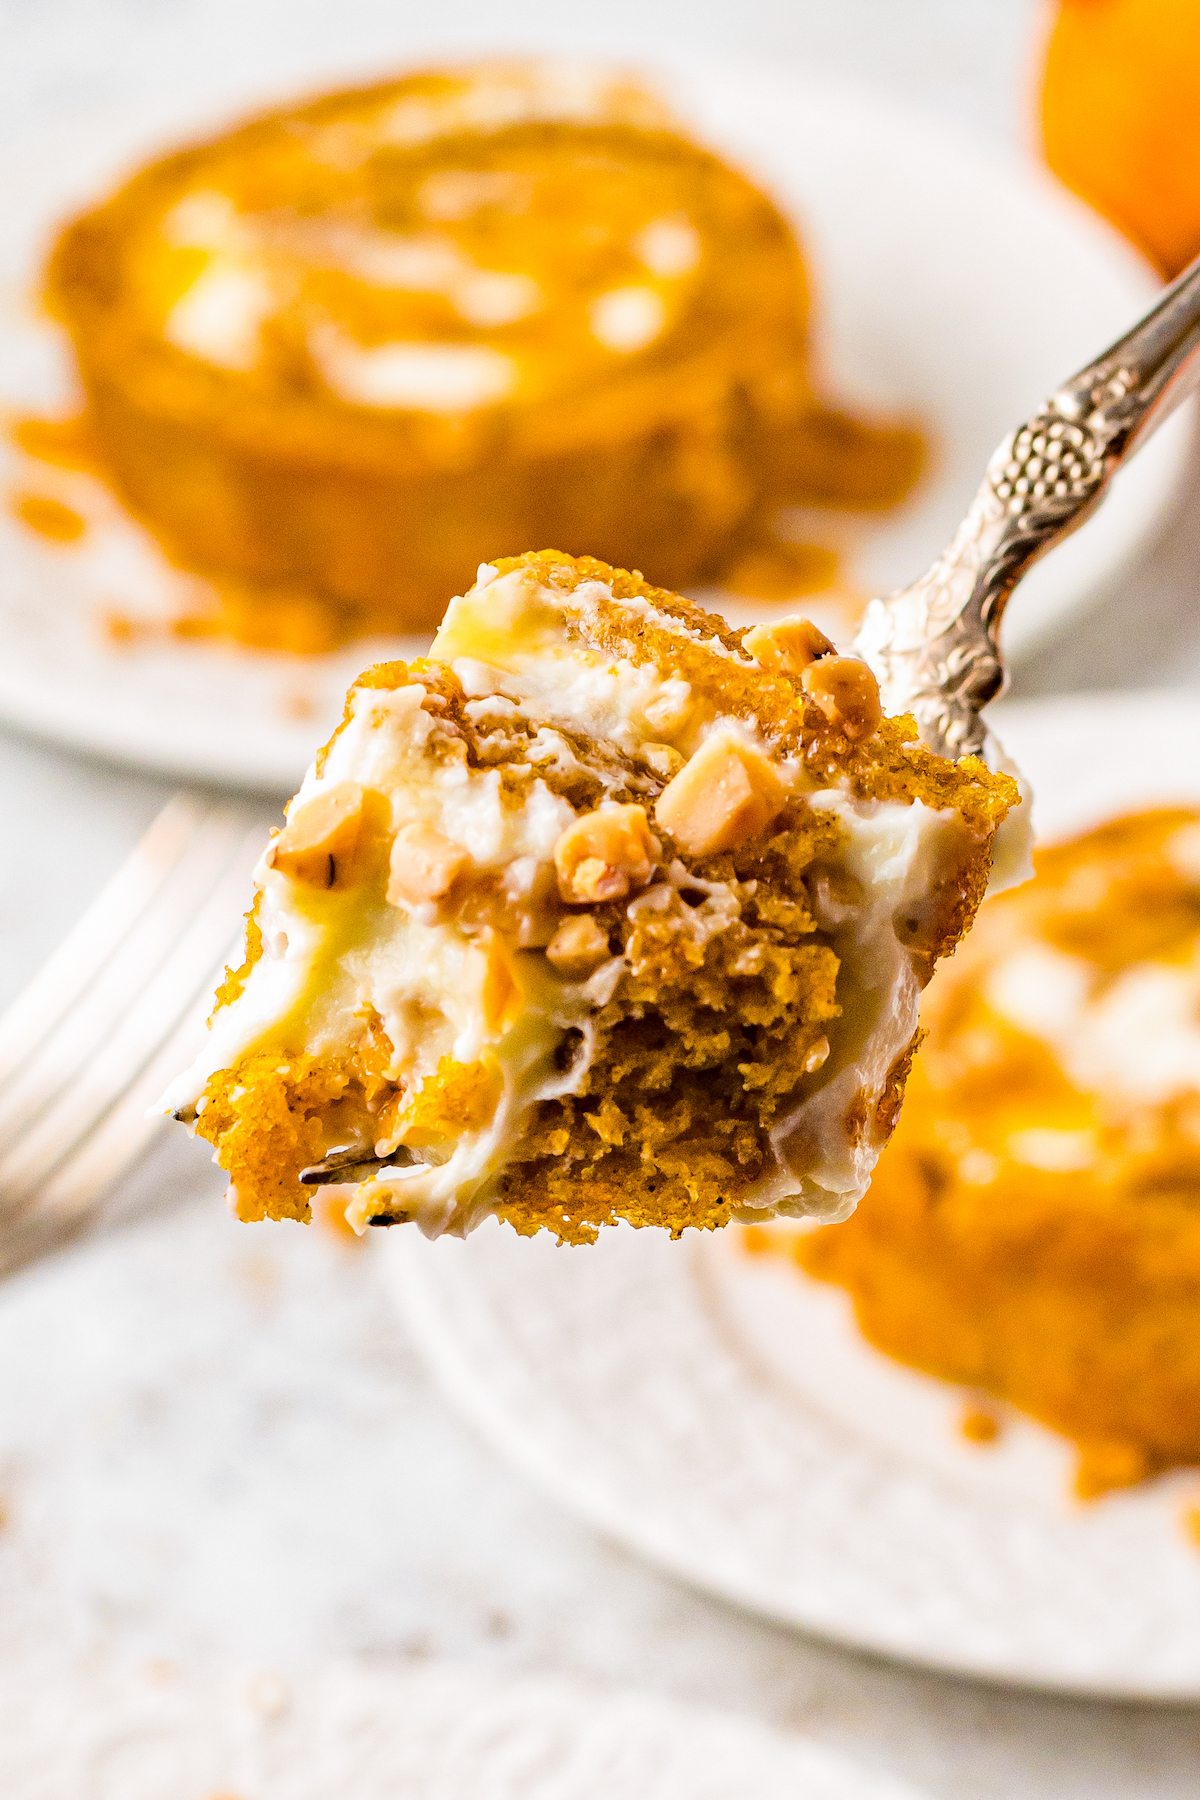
[(949, 284), (353, 1730), (721, 1416)]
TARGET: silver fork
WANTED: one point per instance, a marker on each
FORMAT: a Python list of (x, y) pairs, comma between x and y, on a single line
[(935, 645), (119, 1009)]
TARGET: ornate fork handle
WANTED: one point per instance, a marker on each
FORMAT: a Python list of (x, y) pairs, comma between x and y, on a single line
[(934, 645)]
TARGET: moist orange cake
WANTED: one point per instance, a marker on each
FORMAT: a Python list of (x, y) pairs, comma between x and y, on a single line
[(603, 911), (336, 357), (1034, 1228)]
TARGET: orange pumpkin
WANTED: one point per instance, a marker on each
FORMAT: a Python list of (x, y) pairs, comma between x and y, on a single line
[(1120, 112)]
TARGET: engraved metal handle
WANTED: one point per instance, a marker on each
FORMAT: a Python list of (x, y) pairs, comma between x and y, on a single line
[(935, 645)]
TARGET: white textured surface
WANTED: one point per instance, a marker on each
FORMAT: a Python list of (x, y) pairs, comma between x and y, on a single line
[(439, 1734), (912, 230), (716, 1416)]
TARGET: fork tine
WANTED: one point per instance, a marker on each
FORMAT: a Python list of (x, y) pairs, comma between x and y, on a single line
[(110, 919), (88, 1047), (96, 1163), (175, 984), (220, 853)]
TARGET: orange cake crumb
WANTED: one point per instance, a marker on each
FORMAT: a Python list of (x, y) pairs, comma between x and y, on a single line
[(1191, 1523), (63, 443), (50, 518), (979, 1426)]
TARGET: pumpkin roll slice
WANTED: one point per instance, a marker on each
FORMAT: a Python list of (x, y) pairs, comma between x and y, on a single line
[(1034, 1229), (335, 357)]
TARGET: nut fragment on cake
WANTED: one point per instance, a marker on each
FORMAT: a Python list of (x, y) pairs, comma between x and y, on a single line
[(595, 914), (335, 357), (1034, 1228)]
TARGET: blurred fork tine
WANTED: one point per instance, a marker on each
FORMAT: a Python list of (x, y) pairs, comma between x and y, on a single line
[(118, 1009), (74, 1095), (110, 918), (75, 1193), (70, 1009)]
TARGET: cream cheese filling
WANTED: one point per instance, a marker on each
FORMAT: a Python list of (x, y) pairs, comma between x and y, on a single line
[(1136, 1037), (416, 376), (508, 637), (895, 852), (221, 316)]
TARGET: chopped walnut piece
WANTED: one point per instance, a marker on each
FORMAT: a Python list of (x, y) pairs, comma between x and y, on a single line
[(530, 899), (848, 694), (789, 645), (727, 794), (424, 865), (578, 946), (604, 854), (317, 845)]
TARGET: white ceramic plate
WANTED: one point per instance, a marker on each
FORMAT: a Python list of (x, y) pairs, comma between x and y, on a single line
[(721, 1416), (357, 1733), (949, 285)]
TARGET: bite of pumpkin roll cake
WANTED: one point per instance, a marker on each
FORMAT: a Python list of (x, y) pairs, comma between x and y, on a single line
[(602, 911), (334, 356)]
